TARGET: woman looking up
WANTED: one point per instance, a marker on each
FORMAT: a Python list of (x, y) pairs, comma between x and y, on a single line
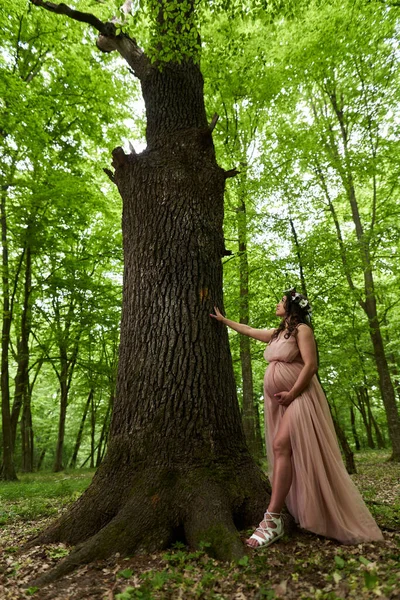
[(304, 461)]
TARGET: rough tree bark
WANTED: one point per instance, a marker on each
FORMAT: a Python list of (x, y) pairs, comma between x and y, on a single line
[(177, 465)]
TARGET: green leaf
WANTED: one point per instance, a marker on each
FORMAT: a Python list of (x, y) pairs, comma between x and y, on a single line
[(126, 573), (339, 562), (370, 579), (244, 561), (128, 594), (31, 590), (364, 561)]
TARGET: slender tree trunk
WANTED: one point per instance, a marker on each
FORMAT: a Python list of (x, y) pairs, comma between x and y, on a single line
[(104, 432), (92, 431), (344, 443), (72, 464), (89, 457), (360, 393), (385, 382), (67, 370), (250, 414), (58, 464), (346, 448), (8, 469), (370, 309), (21, 378), (41, 458), (369, 305), (378, 434), (27, 434), (354, 429)]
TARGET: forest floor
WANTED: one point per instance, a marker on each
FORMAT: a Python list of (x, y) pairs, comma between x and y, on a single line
[(301, 567)]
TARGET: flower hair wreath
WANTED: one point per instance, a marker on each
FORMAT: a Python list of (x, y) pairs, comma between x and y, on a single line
[(300, 300)]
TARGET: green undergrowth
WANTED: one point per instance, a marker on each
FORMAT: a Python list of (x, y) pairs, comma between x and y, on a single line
[(39, 495)]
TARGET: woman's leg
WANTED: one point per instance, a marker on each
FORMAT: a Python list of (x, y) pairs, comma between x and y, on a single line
[(282, 477)]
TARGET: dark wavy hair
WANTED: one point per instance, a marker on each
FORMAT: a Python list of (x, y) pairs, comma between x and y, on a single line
[(295, 314)]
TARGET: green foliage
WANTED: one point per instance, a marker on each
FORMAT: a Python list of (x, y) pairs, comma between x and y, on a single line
[(126, 573), (40, 494)]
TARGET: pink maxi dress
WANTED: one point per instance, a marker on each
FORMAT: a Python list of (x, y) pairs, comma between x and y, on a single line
[(322, 497)]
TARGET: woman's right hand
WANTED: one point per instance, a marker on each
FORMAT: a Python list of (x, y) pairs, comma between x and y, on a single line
[(218, 315)]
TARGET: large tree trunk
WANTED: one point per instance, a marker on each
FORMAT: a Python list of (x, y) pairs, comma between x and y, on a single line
[(177, 464)]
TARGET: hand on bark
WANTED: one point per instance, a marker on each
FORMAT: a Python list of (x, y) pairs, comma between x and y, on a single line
[(218, 315), (284, 398)]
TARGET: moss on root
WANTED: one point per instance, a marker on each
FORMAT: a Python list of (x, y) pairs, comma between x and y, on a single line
[(221, 543)]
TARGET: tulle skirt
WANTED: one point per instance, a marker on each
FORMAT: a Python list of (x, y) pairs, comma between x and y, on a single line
[(322, 497)]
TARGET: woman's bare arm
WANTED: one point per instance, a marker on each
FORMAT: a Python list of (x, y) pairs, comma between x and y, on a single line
[(263, 335)]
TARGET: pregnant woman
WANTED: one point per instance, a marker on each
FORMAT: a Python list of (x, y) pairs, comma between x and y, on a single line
[(304, 461)]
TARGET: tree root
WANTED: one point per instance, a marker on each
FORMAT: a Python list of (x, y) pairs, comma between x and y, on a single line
[(210, 522), (202, 507)]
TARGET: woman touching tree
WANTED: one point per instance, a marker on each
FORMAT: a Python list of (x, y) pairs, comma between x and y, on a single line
[(304, 460)]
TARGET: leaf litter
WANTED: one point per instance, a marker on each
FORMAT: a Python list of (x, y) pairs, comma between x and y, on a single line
[(302, 567)]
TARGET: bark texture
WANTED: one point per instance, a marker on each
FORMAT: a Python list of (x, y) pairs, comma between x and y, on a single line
[(177, 464)]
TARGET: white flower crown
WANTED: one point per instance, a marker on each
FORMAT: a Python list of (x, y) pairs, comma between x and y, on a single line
[(301, 301)]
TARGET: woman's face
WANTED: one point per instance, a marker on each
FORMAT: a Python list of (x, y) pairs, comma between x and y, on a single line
[(280, 308)]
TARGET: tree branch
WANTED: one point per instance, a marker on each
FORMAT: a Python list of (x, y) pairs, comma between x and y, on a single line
[(62, 9), (107, 40)]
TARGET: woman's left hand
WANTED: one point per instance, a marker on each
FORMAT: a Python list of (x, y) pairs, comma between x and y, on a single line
[(284, 398)]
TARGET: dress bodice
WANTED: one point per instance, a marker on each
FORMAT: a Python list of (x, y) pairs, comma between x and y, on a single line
[(282, 349)]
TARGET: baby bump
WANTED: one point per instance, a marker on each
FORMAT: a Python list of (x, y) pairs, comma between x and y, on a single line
[(280, 377)]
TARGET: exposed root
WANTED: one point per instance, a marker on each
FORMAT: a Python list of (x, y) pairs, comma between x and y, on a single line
[(202, 506), (209, 521), (136, 526)]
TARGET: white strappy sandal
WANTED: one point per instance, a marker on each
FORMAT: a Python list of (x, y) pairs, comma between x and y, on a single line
[(270, 534)]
